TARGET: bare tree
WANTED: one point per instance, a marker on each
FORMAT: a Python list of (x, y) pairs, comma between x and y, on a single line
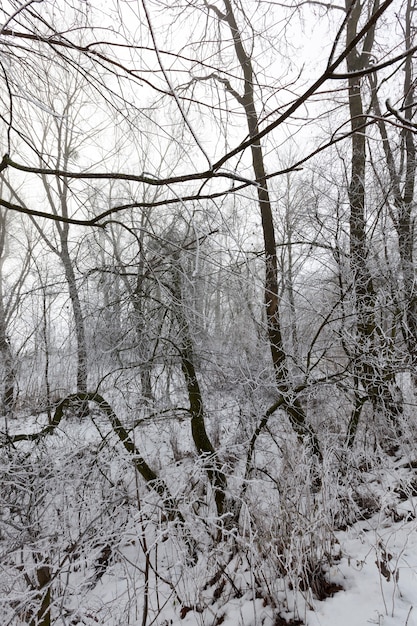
[(401, 168), (377, 381), (200, 311), (12, 282), (246, 100)]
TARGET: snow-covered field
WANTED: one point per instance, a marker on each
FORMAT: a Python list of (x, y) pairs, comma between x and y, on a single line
[(73, 506), (378, 572)]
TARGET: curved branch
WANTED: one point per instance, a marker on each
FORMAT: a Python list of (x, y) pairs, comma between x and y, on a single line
[(408, 123), (153, 482), (374, 68)]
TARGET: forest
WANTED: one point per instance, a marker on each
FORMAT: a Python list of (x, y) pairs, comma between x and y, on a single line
[(208, 310)]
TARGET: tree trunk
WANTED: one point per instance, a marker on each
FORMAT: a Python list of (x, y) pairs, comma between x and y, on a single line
[(82, 362), (7, 382), (402, 176), (377, 380), (199, 434), (9, 374), (291, 403), (44, 580)]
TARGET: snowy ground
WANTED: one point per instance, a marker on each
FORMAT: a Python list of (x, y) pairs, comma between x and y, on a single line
[(378, 572), (374, 572)]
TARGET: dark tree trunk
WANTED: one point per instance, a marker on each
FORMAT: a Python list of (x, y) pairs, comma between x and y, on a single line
[(377, 381), (199, 434), (402, 174), (291, 403), (9, 374), (82, 362)]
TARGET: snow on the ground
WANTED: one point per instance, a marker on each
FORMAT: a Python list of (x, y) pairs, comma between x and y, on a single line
[(377, 570)]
